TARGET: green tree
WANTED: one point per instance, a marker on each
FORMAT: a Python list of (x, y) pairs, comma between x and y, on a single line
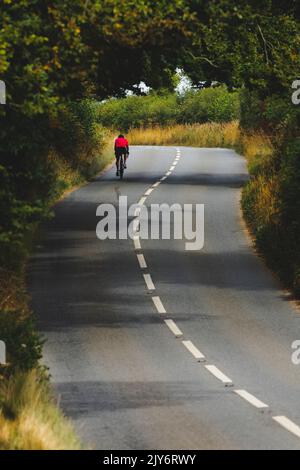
[(247, 43)]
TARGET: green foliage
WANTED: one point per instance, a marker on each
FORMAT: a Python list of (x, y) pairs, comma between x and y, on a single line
[(77, 137), (289, 195), (274, 113), (23, 344), (28, 187), (271, 199), (251, 110), (165, 109), (18, 216), (138, 111), (17, 325), (52, 57), (210, 105), (253, 44)]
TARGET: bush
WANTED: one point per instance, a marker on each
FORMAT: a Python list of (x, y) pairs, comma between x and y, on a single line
[(210, 105), (271, 199), (289, 195), (17, 325), (28, 187), (166, 109), (78, 138), (138, 111)]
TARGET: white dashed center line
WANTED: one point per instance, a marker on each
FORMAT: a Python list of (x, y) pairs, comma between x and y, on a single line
[(219, 375), (149, 191), (137, 243), (141, 261), (194, 351), (288, 425), (142, 200), (158, 304), (174, 328), (251, 399), (149, 282)]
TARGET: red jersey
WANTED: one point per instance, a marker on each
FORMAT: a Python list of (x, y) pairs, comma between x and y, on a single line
[(121, 142)]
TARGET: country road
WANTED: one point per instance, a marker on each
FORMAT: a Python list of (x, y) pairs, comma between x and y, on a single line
[(123, 377)]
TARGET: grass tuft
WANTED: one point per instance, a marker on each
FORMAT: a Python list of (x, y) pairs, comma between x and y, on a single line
[(29, 417)]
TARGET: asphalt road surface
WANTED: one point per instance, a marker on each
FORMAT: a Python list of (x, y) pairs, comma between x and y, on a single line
[(128, 378)]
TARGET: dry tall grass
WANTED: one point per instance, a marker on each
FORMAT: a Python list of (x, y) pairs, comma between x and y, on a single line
[(29, 419), (195, 135), (258, 150), (67, 176)]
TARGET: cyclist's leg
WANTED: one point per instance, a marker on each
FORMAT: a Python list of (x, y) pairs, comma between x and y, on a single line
[(117, 161), (125, 158)]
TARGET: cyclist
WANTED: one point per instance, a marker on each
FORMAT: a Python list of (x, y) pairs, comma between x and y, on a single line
[(121, 148)]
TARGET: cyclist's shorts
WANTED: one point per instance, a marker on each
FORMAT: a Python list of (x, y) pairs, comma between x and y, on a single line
[(121, 151)]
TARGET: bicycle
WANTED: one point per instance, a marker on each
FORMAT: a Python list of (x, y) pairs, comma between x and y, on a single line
[(121, 165)]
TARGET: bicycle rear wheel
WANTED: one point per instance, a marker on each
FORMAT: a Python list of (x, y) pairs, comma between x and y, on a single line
[(121, 167)]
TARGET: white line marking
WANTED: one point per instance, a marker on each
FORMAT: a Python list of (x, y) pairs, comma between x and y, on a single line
[(137, 243), (148, 192), (172, 167), (288, 424), (148, 281), (174, 328), (158, 304), (156, 184), (163, 178), (168, 173), (142, 261), (135, 225), (142, 200), (219, 375), (194, 351), (251, 399)]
